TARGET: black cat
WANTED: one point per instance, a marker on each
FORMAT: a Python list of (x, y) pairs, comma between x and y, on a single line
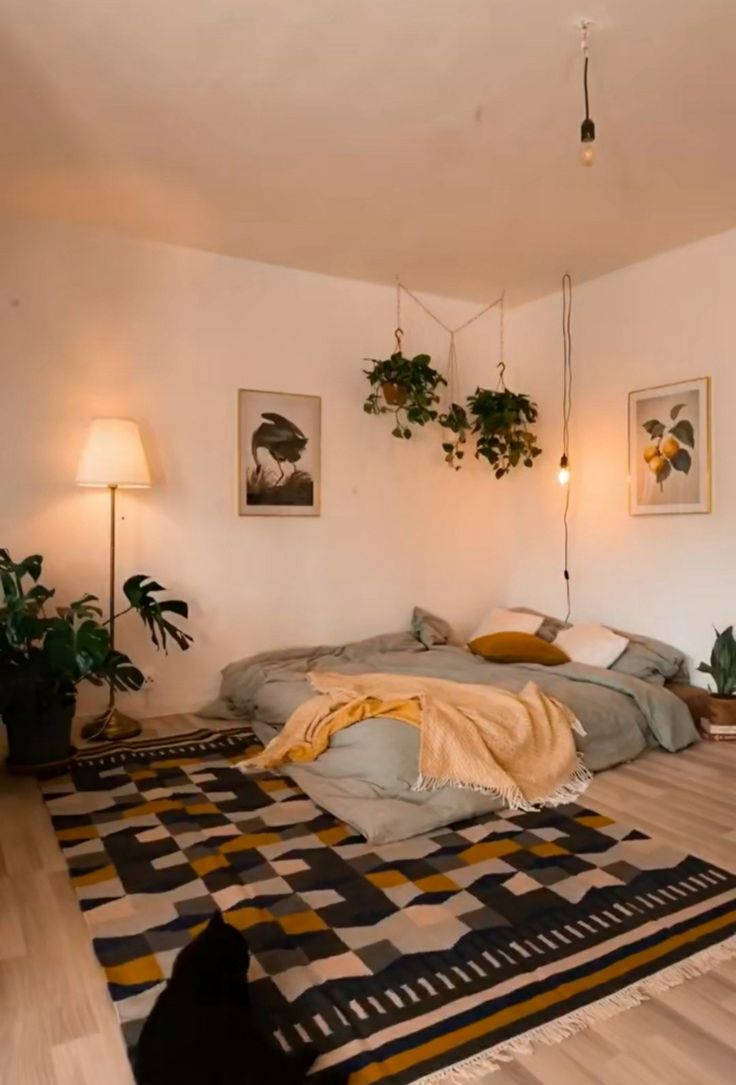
[(202, 1029)]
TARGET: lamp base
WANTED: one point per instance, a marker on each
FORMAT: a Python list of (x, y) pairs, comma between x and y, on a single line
[(111, 725)]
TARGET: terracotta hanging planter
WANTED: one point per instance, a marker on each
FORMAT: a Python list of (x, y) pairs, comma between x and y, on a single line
[(394, 394)]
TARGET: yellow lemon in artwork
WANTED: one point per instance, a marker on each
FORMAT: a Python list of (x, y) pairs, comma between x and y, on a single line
[(656, 464), (650, 452), (670, 447)]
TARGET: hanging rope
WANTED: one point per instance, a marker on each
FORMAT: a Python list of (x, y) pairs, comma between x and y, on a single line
[(452, 372), (399, 331), (501, 362)]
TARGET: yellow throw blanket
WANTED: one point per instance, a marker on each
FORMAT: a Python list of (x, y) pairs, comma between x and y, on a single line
[(516, 746)]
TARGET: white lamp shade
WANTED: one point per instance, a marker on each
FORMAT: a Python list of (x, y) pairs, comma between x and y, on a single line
[(113, 455)]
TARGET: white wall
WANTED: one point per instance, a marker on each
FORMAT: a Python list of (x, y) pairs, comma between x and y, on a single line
[(668, 319), (95, 324)]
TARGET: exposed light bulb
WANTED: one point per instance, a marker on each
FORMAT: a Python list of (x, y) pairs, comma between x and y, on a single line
[(587, 142), (563, 475)]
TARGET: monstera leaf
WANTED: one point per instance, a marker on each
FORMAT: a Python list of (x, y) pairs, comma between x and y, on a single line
[(118, 671), (140, 592), (76, 649)]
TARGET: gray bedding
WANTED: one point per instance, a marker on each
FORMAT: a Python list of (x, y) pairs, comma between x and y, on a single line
[(366, 776)]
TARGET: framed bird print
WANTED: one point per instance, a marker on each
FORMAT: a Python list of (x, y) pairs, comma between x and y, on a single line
[(279, 471)]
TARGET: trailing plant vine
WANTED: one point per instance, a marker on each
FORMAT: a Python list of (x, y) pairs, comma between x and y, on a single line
[(456, 420)]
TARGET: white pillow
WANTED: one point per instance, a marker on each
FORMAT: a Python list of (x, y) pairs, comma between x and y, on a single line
[(591, 644), (507, 621)]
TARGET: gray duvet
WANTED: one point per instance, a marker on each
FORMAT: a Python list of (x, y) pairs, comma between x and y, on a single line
[(365, 778)]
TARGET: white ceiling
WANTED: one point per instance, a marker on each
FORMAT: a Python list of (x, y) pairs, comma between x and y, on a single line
[(438, 138)]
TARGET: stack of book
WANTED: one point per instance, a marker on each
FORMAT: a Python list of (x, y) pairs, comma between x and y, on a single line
[(718, 732)]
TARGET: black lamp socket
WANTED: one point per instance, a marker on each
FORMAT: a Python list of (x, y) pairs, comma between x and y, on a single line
[(587, 131)]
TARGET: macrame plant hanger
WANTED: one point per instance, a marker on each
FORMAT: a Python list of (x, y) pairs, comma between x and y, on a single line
[(453, 366)]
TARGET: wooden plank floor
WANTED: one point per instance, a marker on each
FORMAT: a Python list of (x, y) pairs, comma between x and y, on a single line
[(58, 1026)]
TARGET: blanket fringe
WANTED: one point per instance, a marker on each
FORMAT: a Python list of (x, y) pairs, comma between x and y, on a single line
[(567, 792), (563, 1028)]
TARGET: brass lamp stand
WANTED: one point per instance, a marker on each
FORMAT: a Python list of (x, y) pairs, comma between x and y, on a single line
[(113, 456), (113, 723)]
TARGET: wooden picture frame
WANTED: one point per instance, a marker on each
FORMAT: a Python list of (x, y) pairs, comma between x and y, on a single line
[(279, 453), (670, 449)]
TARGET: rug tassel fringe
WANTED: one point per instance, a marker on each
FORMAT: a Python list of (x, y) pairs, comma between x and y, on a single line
[(586, 1017)]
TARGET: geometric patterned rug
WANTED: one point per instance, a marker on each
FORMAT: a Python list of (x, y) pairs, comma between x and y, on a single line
[(401, 962)]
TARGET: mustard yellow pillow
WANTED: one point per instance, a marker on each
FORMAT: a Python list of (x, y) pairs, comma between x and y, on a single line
[(517, 648)]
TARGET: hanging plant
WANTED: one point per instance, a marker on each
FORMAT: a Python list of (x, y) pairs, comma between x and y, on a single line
[(500, 423), (457, 422), (406, 388)]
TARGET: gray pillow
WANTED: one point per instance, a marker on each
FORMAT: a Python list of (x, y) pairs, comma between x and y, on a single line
[(365, 779), (431, 630)]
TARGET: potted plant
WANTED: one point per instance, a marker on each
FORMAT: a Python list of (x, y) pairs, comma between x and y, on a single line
[(499, 420), (722, 669), (406, 388), (44, 657)]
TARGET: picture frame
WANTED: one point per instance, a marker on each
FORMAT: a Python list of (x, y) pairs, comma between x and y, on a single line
[(279, 453), (670, 449)]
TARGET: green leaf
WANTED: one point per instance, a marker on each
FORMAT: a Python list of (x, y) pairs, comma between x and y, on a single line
[(682, 461), (118, 669), (92, 645), (684, 431), (40, 594), (139, 591), (654, 428), (59, 648), (676, 410), (30, 566)]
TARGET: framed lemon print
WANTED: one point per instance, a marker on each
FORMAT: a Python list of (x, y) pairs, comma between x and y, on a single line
[(669, 449)]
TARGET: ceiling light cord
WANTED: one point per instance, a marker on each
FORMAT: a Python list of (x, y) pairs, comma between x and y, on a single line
[(585, 88), (566, 412)]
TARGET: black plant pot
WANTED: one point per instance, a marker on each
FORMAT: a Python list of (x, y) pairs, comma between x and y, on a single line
[(40, 740)]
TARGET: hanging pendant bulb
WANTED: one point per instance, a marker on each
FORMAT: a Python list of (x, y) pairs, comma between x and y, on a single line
[(587, 128), (563, 475), (587, 143)]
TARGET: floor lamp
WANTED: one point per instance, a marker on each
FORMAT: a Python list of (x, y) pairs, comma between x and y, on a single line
[(113, 456)]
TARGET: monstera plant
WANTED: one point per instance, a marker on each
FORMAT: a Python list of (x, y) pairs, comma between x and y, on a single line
[(47, 652)]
